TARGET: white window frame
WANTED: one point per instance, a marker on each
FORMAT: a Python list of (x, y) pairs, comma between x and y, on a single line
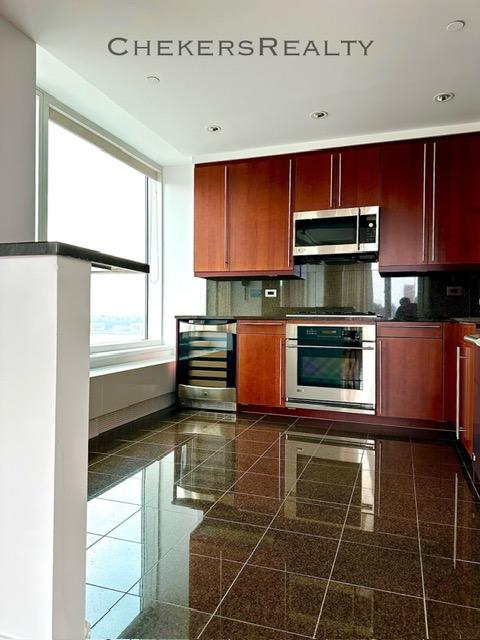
[(152, 349)]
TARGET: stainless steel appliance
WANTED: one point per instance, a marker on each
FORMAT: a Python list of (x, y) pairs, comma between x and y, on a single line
[(336, 232), (206, 364), (331, 366)]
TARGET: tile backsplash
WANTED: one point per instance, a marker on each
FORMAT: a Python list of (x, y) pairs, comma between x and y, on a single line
[(352, 287)]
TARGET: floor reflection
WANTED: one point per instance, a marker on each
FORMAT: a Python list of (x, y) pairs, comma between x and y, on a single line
[(218, 526)]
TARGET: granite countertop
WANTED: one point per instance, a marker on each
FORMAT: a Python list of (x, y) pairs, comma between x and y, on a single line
[(306, 317), (97, 259), (232, 317)]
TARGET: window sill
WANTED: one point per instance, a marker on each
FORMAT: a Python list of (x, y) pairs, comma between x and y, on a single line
[(105, 363)]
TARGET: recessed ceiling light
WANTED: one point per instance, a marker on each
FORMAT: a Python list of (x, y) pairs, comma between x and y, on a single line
[(317, 115), (153, 79), (445, 96), (214, 128), (456, 25)]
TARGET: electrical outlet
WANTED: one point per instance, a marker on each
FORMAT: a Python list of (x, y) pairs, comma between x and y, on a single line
[(270, 293), (454, 291)]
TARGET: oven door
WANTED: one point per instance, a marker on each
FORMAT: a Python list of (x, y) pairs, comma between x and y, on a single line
[(340, 377), (329, 232)]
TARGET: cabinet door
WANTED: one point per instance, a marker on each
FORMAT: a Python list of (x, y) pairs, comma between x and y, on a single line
[(358, 182), (260, 369), (410, 378), (210, 251), (455, 225), (259, 215), (403, 240), (313, 181), (466, 388)]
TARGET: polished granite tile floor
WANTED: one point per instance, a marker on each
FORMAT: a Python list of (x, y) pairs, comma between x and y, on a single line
[(212, 526)]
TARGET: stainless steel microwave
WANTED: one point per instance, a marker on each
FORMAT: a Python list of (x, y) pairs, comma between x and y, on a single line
[(336, 232)]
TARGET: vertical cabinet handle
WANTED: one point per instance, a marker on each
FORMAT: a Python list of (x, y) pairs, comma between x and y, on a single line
[(458, 428), (282, 351), (331, 180), (434, 180), (457, 397), (358, 229), (339, 179), (424, 204), (225, 218), (289, 230), (380, 381)]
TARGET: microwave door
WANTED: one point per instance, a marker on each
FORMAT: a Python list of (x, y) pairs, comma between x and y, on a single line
[(326, 232)]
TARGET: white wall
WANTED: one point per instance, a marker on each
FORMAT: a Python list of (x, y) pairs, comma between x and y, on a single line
[(183, 293), (17, 135), (118, 398)]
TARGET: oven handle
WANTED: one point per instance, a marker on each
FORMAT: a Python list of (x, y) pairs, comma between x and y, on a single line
[(306, 346)]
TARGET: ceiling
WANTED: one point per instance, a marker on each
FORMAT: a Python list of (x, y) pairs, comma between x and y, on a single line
[(265, 101)]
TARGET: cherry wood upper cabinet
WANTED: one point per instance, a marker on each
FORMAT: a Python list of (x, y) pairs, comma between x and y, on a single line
[(259, 216), (210, 231), (261, 368), (410, 372), (455, 215), (403, 230), (347, 177), (358, 182), (313, 181)]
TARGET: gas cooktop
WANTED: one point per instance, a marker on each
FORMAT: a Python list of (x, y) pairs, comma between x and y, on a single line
[(331, 313)]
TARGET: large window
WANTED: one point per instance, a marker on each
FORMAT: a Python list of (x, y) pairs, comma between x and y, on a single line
[(101, 197)]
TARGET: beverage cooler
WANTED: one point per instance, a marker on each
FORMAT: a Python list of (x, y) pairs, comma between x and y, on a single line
[(206, 363)]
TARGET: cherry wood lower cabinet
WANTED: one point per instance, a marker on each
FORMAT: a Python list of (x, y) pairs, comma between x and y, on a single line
[(466, 394), (410, 371), (261, 363), (460, 380)]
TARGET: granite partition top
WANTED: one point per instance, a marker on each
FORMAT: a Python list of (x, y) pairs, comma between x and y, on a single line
[(96, 258)]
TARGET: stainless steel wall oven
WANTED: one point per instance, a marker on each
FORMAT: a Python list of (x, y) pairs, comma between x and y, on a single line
[(331, 366)]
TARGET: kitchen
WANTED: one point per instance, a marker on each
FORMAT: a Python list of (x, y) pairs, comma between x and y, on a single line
[(347, 280), (240, 390)]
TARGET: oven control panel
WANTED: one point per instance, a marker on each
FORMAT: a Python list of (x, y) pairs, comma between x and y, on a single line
[(328, 335)]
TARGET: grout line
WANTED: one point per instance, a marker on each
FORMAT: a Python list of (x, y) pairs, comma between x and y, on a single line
[(259, 542), (337, 550), (104, 535), (425, 613), (353, 542), (453, 604), (254, 624), (99, 586)]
